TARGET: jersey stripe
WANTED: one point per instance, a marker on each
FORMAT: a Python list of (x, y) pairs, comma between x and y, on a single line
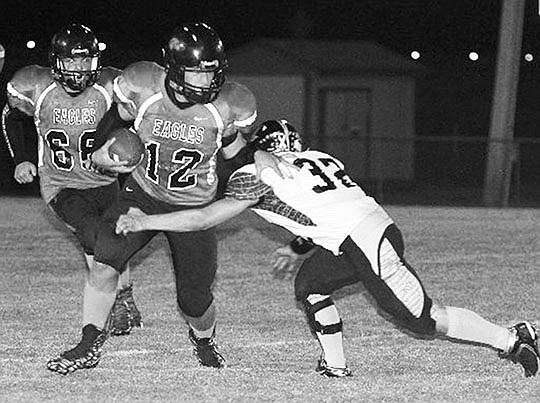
[(5, 112), (246, 122), (14, 93), (121, 95), (144, 107), (105, 94), (211, 177), (37, 121)]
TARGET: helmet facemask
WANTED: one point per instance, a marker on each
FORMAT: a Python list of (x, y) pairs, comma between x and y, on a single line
[(176, 83), (75, 58), (76, 73)]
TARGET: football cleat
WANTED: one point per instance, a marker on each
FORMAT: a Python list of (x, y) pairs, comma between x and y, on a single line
[(85, 355), (206, 351), (124, 314), (525, 348), (332, 372)]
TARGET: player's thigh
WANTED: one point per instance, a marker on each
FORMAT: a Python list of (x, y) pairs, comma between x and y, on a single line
[(194, 256), (81, 210), (76, 208), (116, 249), (323, 273), (390, 280)]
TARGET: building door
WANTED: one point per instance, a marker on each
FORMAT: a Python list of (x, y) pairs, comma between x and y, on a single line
[(345, 127)]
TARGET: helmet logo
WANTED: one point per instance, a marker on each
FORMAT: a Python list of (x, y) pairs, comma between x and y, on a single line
[(80, 52), (213, 63), (176, 44)]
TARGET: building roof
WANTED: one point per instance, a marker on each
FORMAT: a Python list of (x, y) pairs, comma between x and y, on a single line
[(299, 56)]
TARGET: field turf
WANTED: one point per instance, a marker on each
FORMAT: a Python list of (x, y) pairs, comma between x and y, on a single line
[(486, 260)]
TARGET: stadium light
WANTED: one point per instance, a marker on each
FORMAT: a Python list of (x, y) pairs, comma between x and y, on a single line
[(31, 44), (473, 56), (415, 55), (102, 46)]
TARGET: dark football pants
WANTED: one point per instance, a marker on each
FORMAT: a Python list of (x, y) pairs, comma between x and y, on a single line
[(194, 254), (81, 211), (393, 284)]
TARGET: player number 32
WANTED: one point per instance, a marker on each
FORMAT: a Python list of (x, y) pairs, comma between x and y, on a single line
[(331, 180)]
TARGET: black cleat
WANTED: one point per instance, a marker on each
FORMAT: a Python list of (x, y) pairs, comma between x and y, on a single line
[(525, 349), (206, 351), (332, 372), (124, 314), (85, 355)]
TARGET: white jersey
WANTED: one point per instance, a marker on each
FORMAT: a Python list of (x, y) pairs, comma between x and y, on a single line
[(320, 202)]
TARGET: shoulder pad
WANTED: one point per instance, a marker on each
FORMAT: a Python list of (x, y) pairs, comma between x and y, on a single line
[(143, 75), (31, 78), (241, 101), (108, 74), (138, 82), (26, 85)]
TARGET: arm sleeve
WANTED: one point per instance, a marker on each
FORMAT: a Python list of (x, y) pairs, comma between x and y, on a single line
[(246, 186), (16, 125)]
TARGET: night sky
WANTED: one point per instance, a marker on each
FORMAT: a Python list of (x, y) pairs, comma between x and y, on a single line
[(449, 27)]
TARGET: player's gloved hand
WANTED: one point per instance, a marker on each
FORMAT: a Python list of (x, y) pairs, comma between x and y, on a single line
[(25, 172), (103, 160), (264, 160), (286, 263), (133, 221)]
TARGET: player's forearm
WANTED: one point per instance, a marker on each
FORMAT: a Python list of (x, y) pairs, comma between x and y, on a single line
[(197, 219), (180, 221)]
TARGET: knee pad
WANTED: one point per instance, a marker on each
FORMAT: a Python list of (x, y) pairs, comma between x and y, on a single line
[(316, 326)]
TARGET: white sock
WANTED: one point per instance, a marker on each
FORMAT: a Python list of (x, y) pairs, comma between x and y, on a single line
[(331, 344), (203, 326), (96, 306), (469, 326), (124, 278)]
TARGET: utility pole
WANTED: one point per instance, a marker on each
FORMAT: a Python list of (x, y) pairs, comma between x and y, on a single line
[(500, 146)]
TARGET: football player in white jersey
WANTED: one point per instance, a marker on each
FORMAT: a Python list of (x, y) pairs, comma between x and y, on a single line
[(358, 242), (67, 101)]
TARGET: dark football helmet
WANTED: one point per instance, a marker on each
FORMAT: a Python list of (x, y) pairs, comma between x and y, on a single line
[(277, 136), (194, 47), (75, 44)]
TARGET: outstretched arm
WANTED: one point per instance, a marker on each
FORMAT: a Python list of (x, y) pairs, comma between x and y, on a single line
[(183, 221)]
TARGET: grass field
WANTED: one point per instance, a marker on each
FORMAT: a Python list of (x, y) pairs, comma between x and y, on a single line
[(483, 259)]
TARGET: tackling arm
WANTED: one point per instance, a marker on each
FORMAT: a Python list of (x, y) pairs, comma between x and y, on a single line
[(185, 220)]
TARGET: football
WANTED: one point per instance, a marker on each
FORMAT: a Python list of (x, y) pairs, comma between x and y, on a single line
[(127, 147)]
